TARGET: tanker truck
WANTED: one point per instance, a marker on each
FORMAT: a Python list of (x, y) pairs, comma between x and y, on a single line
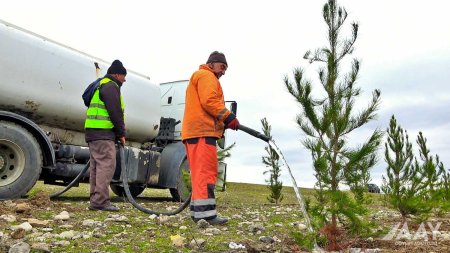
[(42, 120)]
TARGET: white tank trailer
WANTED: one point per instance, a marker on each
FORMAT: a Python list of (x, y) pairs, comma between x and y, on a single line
[(42, 119)]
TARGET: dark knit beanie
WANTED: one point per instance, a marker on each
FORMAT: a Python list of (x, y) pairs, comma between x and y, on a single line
[(117, 68), (217, 57)]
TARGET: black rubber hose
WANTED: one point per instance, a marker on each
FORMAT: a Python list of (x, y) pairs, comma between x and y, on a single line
[(74, 181), (130, 197), (253, 133)]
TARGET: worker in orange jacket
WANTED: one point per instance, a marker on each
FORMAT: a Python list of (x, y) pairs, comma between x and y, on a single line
[(205, 120)]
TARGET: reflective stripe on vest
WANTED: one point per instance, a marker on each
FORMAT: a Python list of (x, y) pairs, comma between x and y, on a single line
[(96, 115)]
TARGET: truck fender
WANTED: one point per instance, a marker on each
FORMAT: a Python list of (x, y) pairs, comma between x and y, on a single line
[(37, 132), (172, 157)]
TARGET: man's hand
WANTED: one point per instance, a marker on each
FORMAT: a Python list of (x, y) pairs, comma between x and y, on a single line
[(233, 124), (122, 140)]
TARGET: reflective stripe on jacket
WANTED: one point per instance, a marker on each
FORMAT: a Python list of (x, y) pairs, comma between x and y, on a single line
[(205, 109), (97, 115)]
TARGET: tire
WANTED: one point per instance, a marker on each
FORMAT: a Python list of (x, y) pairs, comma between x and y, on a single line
[(20, 160), (135, 190), (183, 189)]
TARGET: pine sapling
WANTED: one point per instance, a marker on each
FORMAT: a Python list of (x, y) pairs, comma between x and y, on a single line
[(444, 187), (405, 184), (436, 178), (272, 161), (326, 122)]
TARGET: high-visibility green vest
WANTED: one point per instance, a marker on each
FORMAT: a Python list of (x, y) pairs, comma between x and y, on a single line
[(96, 115)]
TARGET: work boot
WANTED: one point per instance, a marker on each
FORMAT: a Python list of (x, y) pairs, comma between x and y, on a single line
[(218, 221), (110, 208)]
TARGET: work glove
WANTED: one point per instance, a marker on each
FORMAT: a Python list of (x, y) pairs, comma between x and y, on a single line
[(231, 122)]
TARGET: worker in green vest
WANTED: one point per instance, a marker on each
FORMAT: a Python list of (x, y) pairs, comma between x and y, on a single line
[(104, 126)]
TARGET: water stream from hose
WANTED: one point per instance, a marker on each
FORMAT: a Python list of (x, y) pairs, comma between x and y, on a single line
[(297, 193)]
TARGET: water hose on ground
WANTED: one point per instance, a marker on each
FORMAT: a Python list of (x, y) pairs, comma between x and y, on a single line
[(74, 181), (130, 198), (125, 186)]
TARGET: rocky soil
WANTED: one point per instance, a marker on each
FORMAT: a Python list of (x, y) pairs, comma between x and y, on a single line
[(38, 224)]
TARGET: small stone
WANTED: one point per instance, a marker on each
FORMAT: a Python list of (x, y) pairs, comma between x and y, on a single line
[(64, 215), (88, 223), (67, 234), (41, 247), (9, 203), (237, 216), (98, 235), (276, 239), (37, 223), (62, 243), (163, 219), (19, 233), (25, 226), (254, 228), (214, 231), (177, 240), (183, 228), (233, 245), (8, 218), (122, 218), (202, 224), (117, 218), (266, 239), (23, 208), (197, 243), (302, 226), (21, 247)]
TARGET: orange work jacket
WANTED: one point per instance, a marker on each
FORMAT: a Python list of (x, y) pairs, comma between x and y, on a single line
[(205, 110)]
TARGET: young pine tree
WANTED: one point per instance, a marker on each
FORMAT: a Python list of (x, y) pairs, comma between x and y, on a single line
[(327, 121), (444, 182), (405, 185), (436, 178), (272, 161), (444, 187), (429, 166)]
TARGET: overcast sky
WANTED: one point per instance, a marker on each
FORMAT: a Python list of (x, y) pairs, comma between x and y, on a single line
[(403, 47)]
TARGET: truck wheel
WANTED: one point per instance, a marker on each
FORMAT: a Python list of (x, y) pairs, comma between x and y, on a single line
[(135, 190), (184, 188), (20, 160)]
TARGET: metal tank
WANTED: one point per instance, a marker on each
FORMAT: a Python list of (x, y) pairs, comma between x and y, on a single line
[(52, 78)]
